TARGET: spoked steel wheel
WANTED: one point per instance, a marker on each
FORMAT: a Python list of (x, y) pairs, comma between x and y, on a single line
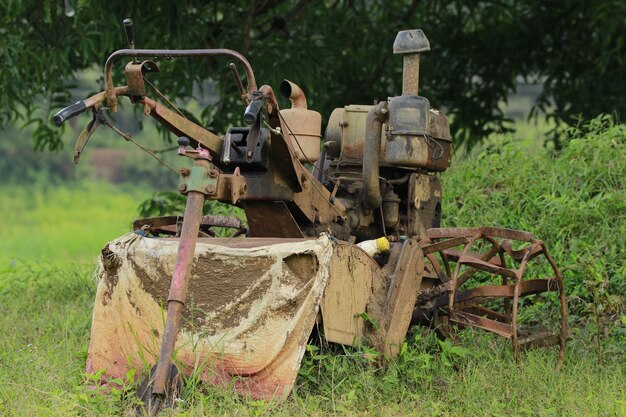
[(485, 276)]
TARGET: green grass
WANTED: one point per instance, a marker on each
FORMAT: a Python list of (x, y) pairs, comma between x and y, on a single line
[(574, 201), (63, 224), (45, 327)]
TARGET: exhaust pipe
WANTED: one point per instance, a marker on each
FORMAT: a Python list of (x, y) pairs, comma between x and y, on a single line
[(293, 93), (371, 155), (410, 43)]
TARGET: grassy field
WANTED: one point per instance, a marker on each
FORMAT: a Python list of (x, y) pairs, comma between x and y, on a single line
[(45, 328), (576, 202), (63, 224)]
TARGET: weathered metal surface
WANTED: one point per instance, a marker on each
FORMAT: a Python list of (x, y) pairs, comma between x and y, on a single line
[(404, 286), (410, 43), (237, 78), (451, 232), (428, 247), (528, 287), (199, 179), (345, 133), (348, 132), (488, 250), (424, 200), (135, 72), (253, 301), (314, 202), (84, 136), (410, 74), (181, 126), (178, 288), (419, 152), (246, 148), (350, 284), (439, 127), (463, 317), (169, 53), (376, 116), (408, 116), (358, 288), (252, 304), (270, 219), (168, 224), (79, 107), (304, 126)]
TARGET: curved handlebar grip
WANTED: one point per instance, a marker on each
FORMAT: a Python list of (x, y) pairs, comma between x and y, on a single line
[(252, 111), (67, 113)]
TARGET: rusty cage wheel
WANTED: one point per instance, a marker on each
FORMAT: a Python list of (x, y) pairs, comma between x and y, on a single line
[(480, 281)]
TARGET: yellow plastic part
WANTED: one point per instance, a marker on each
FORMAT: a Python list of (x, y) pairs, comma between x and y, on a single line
[(382, 244)]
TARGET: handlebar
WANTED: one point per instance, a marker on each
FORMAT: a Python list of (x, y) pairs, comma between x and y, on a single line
[(176, 53), (67, 113), (110, 94), (79, 107)]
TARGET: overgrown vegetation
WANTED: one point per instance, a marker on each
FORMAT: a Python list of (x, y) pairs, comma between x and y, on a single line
[(574, 200), (46, 321)]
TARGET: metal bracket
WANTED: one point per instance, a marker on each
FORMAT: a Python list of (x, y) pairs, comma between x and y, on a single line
[(134, 77), (200, 179)]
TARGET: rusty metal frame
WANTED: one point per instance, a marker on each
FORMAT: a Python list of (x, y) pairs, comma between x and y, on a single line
[(463, 305), (169, 225), (169, 53)]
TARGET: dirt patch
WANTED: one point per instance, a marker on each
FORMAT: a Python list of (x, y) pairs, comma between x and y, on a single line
[(157, 284), (219, 282), (110, 265), (215, 283), (226, 290), (300, 267)]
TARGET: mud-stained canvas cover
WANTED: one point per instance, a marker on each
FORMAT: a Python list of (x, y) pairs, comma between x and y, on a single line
[(248, 315)]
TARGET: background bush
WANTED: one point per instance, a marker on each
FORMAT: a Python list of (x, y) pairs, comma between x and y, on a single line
[(574, 200)]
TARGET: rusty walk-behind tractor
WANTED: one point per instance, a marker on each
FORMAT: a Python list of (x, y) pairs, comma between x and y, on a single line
[(242, 308)]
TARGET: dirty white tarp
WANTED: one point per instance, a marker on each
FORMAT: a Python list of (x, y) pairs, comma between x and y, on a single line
[(249, 311)]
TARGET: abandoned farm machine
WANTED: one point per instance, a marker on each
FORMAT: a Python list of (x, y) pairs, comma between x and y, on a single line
[(343, 230)]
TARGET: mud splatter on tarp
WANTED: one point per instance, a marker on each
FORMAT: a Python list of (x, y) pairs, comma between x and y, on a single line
[(248, 311)]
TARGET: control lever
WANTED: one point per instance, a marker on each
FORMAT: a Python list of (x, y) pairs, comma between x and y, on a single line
[(183, 141), (130, 34), (82, 140), (254, 108), (198, 153), (252, 112), (242, 92)]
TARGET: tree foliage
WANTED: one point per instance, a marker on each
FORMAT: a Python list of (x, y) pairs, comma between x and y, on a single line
[(339, 51)]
